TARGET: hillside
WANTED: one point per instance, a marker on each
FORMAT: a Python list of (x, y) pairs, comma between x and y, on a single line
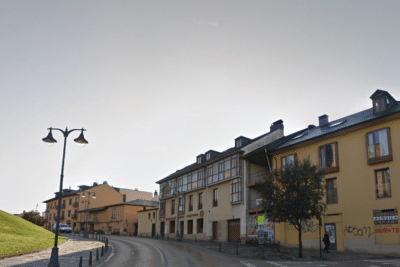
[(18, 235)]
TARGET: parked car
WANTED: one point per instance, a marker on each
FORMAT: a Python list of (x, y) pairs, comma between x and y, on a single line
[(64, 228)]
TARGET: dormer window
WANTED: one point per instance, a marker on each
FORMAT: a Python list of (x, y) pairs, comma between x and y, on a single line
[(208, 156), (198, 160), (380, 104)]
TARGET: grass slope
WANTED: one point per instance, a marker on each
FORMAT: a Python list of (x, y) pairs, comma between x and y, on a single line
[(18, 235)]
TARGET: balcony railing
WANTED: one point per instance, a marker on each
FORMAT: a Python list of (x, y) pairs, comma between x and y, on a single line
[(63, 206), (75, 204), (74, 216)]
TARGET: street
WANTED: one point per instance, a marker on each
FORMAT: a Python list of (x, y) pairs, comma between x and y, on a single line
[(134, 251)]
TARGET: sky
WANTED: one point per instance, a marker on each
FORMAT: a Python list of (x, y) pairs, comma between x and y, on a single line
[(156, 82)]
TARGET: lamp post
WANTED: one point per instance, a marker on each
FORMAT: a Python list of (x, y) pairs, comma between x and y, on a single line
[(49, 139), (85, 234)]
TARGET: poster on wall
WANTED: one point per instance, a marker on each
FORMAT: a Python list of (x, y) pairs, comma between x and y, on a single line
[(386, 221), (259, 229)]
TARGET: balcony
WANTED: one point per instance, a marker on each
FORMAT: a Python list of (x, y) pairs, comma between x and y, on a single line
[(62, 217), (75, 204), (74, 216), (63, 206)]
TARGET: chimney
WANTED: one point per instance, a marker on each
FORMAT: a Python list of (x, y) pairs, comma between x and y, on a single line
[(95, 184), (276, 125), (323, 120), (155, 193), (105, 182)]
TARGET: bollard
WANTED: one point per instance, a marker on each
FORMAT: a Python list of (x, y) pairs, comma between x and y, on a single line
[(80, 262), (90, 259), (237, 248), (219, 247), (102, 251), (97, 254), (195, 238), (106, 244)]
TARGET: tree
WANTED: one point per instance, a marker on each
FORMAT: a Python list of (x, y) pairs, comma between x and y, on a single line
[(34, 217), (293, 195)]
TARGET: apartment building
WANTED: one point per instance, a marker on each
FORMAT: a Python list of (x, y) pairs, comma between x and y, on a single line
[(76, 202), (205, 200), (359, 154)]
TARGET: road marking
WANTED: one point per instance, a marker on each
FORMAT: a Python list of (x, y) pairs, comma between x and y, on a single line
[(109, 257), (295, 264), (162, 257), (247, 264)]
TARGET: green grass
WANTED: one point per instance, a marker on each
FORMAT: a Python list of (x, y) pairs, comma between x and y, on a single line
[(18, 235)]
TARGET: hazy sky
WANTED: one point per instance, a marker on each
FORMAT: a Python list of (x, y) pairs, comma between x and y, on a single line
[(156, 83)]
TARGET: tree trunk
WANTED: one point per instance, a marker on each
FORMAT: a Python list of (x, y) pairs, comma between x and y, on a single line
[(300, 244)]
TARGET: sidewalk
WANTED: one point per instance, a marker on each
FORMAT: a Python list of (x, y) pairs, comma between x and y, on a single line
[(285, 253), (69, 254)]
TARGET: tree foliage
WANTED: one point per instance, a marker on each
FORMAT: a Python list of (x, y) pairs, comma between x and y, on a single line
[(294, 194), (34, 217)]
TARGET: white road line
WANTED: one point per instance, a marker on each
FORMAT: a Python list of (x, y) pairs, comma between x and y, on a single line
[(109, 257), (247, 264), (162, 257)]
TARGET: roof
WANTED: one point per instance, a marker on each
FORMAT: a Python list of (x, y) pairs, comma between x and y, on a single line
[(138, 202), (152, 209), (314, 132)]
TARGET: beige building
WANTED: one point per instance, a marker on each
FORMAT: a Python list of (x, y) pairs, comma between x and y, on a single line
[(206, 200), (148, 222)]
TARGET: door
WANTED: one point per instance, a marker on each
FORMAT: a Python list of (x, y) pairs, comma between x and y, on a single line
[(182, 228), (162, 229), (331, 229), (135, 225), (215, 231), (234, 230), (153, 229)]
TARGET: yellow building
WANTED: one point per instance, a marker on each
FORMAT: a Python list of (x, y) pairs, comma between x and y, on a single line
[(148, 222), (360, 154)]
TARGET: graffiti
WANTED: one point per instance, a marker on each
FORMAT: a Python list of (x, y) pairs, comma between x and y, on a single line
[(358, 231), (309, 227)]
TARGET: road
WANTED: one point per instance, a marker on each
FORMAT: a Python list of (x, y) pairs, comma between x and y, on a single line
[(134, 251)]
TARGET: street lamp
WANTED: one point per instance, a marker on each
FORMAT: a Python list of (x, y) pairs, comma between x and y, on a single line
[(85, 234), (49, 139)]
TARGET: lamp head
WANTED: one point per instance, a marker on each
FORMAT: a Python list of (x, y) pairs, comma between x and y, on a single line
[(83, 194), (94, 196), (81, 139), (49, 138)]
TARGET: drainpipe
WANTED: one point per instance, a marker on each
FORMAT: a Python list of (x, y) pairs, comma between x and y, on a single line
[(269, 165)]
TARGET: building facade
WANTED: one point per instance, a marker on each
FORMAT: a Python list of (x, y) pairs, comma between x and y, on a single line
[(359, 155), (206, 200)]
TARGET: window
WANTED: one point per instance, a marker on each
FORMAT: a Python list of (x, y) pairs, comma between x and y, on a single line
[(382, 181), (62, 215), (208, 156), (162, 208), (191, 203), (154, 215), (69, 213), (172, 227), (70, 201), (149, 216), (124, 198), (200, 226), (223, 169), (168, 188), (331, 191), (236, 190), (380, 104), (173, 207), (113, 213), (215, 197), (328, 157), (76, 202), (200, 204), (63, 204), (288, 161), (181, 203), (379, 146), (190, 227)]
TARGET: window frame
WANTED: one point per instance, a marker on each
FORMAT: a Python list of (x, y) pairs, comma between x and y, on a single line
[(385, 178), (236, 189), (172, 206), (215, 197), (113, 213), (200, 202), (285, 157), (333, 182), (181, 203), (336, 155), (380, 159), (191, 203)]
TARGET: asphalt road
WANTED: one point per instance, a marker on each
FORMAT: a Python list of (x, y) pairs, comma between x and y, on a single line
[(133, 251)]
